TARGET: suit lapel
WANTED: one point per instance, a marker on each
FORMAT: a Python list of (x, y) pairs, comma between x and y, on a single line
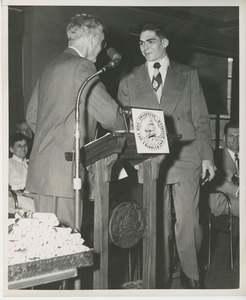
[(230, 164), (143, 83), (172, 91), (143, 76), (173, 88)]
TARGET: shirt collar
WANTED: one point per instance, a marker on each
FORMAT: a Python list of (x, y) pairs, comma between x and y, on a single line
[(232, 153), (76, 51), (164, 62), (24, 161)]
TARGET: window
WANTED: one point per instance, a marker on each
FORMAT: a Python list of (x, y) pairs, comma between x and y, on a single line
[(218, 121)]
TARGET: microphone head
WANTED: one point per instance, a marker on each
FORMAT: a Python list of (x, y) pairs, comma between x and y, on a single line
[(113, 63), (113, 54)]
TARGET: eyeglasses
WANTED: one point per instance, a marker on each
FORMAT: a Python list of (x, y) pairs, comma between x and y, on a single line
[(103, 42)]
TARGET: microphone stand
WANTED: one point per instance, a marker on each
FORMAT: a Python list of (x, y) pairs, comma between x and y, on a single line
[(77, 182)]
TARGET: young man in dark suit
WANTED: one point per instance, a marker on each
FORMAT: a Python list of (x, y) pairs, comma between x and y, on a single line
[(174, 88)]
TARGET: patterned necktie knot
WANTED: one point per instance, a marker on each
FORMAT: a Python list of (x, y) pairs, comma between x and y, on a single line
[(157, 65)]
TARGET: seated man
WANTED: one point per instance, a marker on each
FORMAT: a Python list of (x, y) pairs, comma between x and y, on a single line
[(227, 174), (18, 165)]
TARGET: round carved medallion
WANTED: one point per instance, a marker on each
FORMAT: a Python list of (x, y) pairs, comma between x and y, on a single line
[(127, 224)]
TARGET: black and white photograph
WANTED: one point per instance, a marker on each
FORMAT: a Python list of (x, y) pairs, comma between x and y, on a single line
[(87, 211)]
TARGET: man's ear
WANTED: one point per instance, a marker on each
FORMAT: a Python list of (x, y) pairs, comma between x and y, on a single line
[(11, 149), (165, 42), (91, 39)]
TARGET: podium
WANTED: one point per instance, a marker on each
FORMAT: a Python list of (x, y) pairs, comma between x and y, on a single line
[(102, 154)]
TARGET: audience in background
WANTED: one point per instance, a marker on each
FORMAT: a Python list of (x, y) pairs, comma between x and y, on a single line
[(23, 128), (227, 175), (18, 165), (19, 200)]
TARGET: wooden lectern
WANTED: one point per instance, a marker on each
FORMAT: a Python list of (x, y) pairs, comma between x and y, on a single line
[(102, 154)]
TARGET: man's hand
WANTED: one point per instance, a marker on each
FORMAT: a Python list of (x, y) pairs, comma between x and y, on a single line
[(208, 165)]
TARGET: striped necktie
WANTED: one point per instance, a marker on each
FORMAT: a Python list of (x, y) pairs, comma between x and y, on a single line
[(157, 80)]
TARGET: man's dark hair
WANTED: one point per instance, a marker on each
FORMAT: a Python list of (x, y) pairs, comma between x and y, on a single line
[(17, 137), (154, 26), (230, 125)]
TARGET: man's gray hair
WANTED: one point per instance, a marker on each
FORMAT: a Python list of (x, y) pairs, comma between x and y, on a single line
[(83, 24)]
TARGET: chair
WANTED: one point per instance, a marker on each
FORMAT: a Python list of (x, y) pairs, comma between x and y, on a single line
[(12, 203), (20, 202), (225, 223)]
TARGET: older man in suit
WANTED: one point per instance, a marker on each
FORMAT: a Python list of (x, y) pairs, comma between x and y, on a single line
[(227, 174), (51, 116), (164, 84)]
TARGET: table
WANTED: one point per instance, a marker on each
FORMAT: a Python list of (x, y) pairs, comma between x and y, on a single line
[(49, 270)]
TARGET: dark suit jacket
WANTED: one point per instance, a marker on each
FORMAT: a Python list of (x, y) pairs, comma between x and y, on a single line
[(185, 113), (226, 169), (51, 116)]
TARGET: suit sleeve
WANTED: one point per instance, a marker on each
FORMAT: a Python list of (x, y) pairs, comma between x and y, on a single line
[(223, 176), (201, 119), (100, 105), (123, 93), (32, 109), (225, 185)]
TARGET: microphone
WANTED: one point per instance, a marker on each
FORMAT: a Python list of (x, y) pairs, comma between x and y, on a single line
[(113, 54), (115, 57)]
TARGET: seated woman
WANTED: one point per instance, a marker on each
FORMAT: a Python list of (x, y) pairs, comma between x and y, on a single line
[(18, 166)]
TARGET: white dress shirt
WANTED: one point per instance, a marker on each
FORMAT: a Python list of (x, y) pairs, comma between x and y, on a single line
[(233, 156), (17, 172), (76, 51), (164, 62)]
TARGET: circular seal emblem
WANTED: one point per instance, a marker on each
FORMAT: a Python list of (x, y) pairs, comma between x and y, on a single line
[(150, 131), (127, 225)]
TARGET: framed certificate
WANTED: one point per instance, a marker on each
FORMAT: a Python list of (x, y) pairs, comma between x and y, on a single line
[(149, 130)]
